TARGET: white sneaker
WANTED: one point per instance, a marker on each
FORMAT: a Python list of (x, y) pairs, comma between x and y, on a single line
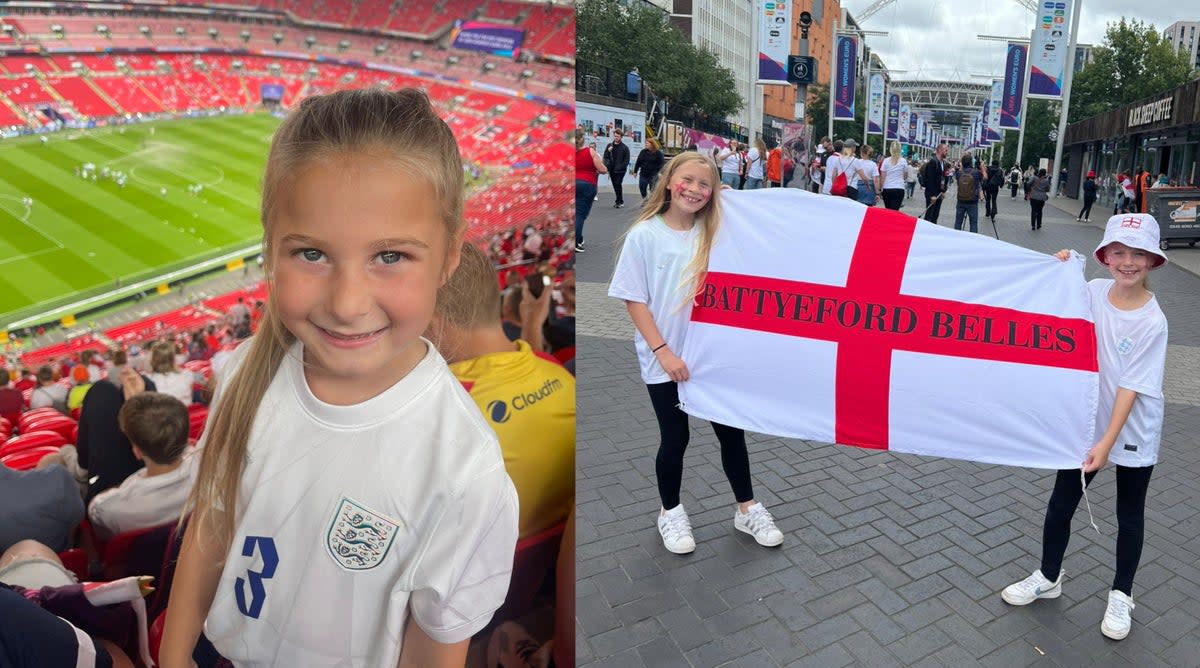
[(757, 522), (1116, 618), (1032, 588), (676, 530)]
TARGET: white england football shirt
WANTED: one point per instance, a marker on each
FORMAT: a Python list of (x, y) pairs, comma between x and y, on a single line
[(348, 517), (1132, 351)]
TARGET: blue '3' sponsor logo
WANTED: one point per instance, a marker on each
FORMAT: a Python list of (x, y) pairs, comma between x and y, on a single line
[(258, 592)]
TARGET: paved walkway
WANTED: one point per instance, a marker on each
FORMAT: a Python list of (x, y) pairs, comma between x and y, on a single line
[(888, 559)]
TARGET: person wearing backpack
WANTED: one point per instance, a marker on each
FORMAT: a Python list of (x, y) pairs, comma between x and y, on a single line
[(970, 182), (1014, 180), (844, 172), (49, 393), (991, 189)]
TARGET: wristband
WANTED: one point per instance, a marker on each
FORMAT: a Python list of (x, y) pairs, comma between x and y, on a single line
[(663, 345)]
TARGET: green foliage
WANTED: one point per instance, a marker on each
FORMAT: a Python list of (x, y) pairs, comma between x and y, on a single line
[(818, 115), (1041, 116), (1133, 63), (622, 37)]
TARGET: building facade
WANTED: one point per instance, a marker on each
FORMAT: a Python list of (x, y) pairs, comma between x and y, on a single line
[(722, 27), (1181, 35)]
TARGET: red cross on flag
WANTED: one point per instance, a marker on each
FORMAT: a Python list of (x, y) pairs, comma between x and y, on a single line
[(826, 320)]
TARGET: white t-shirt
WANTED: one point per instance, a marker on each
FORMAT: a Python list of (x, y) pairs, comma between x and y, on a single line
[(893, 175), (46, 395), (869, 169), (177, 384), (755, 170), (1132, 351), (350, 517), (141, 502), (838, 164), (648, 272), (732, 163)]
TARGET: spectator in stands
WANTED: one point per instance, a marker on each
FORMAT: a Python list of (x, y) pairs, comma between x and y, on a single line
[(11, 400), (510, 313), (94, 364), (156, 425), (80, 384), (198, 347), (42, 505), (239, 318), (49, 393), (531, 246), (26, 380), (528, 400), (168, 378)]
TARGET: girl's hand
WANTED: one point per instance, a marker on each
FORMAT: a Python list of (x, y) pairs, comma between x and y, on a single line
[(675, 367), (1064, 254), (1096, 458)]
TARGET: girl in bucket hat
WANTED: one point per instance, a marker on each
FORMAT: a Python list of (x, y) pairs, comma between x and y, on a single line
[(1131, 338)]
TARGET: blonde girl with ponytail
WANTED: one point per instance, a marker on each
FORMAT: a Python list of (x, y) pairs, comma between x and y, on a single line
[(662, 264), (351, 505)]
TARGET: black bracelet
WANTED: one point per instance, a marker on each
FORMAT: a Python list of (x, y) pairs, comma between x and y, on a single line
[(664, 345)]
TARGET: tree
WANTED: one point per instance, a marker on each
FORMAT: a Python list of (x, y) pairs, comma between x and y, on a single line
[(818, 114), (1041, 116), (622, 37), (1133, 63)]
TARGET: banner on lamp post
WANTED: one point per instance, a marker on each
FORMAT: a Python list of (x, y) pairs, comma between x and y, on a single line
[(1048, 57), (994, 129), (893, 116), (774, 41), (847, 59), (905, 114), (875, 104), (1014, 86)]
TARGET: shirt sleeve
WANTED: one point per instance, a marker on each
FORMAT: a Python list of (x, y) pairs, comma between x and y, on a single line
[(629, 280), (468, 564), (1144, 372)]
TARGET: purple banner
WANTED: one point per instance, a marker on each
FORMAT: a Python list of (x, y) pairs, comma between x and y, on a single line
[(893, 115), (912, 127), (843, 95), (493, 38), (1014, 86)]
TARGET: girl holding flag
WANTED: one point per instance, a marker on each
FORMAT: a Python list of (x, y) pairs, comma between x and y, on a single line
[(661, 266), (1131, 336)]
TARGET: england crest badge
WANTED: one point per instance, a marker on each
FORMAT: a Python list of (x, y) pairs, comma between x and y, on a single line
[(359, 538)]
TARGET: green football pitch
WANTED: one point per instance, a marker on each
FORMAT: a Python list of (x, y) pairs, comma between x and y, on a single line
[(79, 237)]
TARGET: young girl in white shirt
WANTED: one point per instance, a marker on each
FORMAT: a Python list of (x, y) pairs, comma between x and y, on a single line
[(352, 505), (661, 266), (1131, 337)]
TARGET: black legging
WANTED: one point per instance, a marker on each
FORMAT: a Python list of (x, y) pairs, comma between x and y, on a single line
[(673, 427), (893, 198), (1132, 484), (1035, 213), (989, 201), (1086, 212)]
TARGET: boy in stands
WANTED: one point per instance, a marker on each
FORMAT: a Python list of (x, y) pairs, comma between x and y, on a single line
[(157, 427)]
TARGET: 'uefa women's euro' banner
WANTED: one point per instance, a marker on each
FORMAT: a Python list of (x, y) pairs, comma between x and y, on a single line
[(493, 38), (843, 90), (1014, 87), (995, 133), (893, 116), (1048, 57), (891, 333), (774, 40)]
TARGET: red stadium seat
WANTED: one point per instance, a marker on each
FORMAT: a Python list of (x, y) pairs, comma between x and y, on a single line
[(76, 561), (138, 552), (33, 415), (7, 424), (535, 557), (196, 421), (25, 460), (57, 423), (33, 439)]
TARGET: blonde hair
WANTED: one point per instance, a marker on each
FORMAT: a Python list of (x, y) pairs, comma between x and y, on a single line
[(708, 218), (162, 357), (761, 146), (470, 299), (579, 137), (400, 126), (895, 150)]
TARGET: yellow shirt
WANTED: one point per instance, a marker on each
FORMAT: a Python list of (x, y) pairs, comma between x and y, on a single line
[(530, 402), (75, 396)]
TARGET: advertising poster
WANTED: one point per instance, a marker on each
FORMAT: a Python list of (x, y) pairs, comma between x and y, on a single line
[(1048, 57), (875, 99), (993, 119), (905, 114), (893, 116), (599, 121), (774, 40)]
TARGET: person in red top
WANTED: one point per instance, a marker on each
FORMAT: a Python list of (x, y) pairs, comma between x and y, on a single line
[(588, 167), (775, 168)]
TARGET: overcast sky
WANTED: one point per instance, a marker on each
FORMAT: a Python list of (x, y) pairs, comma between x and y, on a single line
[(936, 39)]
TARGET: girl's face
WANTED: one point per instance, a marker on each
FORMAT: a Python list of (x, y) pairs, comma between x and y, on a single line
[(1128, 266), (359, 250), (691, 187)]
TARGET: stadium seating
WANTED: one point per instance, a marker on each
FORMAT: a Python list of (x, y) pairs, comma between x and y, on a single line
[(31, 416), (138, 552), (25, 460), (31, 440), (57, 423)]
